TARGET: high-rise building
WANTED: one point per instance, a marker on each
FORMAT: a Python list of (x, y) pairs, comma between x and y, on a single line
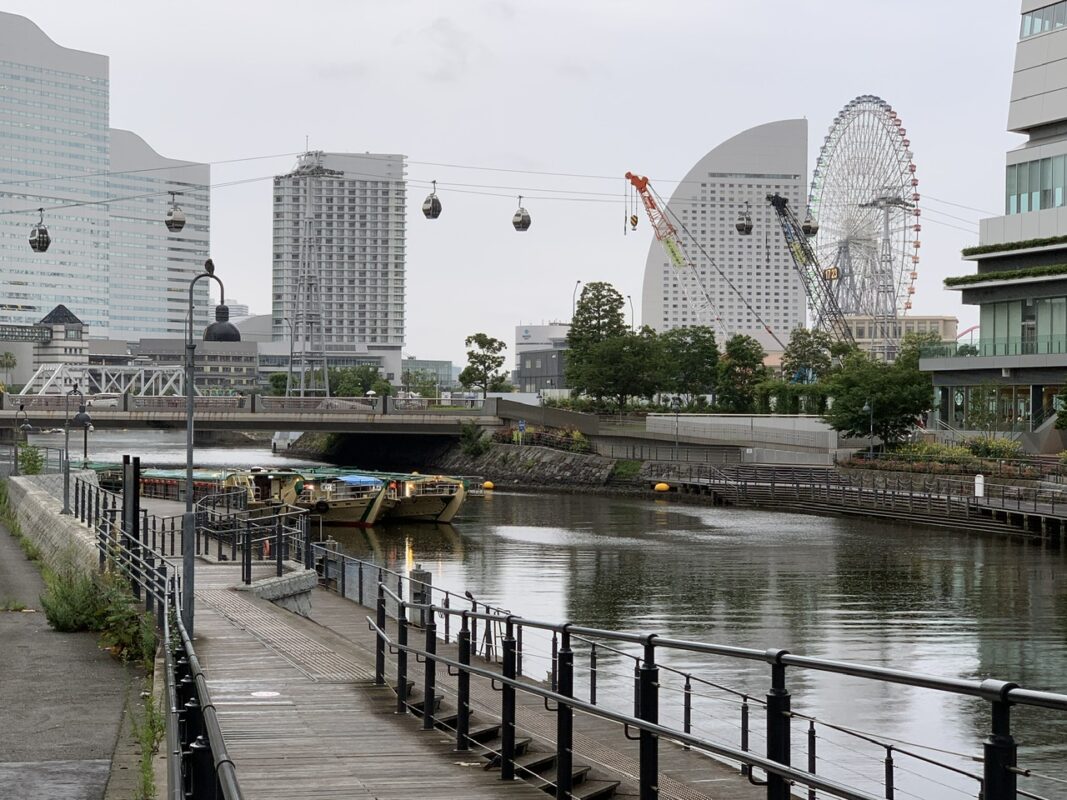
[(1011, 381), (339, 265), (736, 175), (113, 264)]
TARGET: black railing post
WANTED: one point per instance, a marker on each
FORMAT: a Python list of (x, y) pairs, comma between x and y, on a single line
[(554, 681), (360, 565), (379, 645), (777, 725), (401, 659), (518, 650), (507, 708), (890, 790), (149, 580), (246, 556), (278, 533), (592, 674), (649, 744), (812, 758), (999, 750), (463, 680), (744, 732), (687, 707), (429, 671), (202, 768), (565, 719), (309, 556), (341, 579)]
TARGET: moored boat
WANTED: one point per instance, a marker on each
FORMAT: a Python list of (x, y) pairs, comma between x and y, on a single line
[(352, 499), (434, 498)]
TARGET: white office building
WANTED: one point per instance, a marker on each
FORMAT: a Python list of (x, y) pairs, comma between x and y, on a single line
[(113, 265), (339, 227), (764, 160)]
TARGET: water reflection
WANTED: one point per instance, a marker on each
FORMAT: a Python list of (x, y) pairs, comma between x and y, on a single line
[(920, 599)]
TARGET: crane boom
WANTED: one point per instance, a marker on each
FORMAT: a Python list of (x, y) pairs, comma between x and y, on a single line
[(695, 293), (826, 311)]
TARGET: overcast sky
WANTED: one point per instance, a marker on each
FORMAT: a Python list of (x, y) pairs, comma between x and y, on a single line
[(591, 88)]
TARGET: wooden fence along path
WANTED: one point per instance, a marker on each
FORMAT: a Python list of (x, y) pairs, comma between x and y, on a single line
[(302, 716)]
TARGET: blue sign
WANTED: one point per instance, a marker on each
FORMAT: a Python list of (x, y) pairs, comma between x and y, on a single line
[(522, 426)]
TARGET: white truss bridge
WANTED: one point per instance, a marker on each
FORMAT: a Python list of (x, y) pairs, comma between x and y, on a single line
[(94, 379)]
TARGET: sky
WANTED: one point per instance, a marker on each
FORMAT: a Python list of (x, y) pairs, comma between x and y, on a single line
[(486, 96)]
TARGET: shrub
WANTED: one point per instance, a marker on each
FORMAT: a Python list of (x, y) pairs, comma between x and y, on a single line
[(993, 447), (472, 440), (579, 444), (624, 469), (31, 460)]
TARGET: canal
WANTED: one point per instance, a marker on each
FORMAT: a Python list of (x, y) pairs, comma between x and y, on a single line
[(923, 599)]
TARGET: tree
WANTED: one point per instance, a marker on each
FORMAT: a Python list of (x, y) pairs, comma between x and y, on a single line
[(625, 366), (277, 383), (422, 382), (896, 395), (357, 381), (7, 363), (483, 360), (740, 370), (690, 361), (597, 317), (807, 357)]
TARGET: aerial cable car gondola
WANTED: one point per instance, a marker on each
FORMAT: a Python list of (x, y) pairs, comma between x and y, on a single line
[(521, 220), (744, 222), (811, 225), (175, 219), (431, 206), (39, 238)]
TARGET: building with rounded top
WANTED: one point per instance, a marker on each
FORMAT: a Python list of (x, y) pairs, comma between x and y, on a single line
[(766, 159)]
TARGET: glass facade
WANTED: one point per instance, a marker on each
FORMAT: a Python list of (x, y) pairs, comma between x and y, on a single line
[(993, 407), (1042, 20), (1035, 185)]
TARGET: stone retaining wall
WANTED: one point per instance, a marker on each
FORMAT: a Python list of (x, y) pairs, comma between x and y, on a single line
[(529, 466), (63, 541)]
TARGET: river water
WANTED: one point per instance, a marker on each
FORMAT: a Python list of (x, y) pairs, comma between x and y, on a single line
[(942, 602)]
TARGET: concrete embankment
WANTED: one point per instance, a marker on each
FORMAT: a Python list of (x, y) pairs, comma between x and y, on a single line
[(63, 542), (515, 465)]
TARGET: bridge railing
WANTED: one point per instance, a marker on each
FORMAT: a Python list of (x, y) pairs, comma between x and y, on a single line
[(198, 765), (997, 779)]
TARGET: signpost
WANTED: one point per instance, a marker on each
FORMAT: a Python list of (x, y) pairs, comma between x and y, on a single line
[(522, 431)]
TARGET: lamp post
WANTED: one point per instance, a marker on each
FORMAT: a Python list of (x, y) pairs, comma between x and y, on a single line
[(868, 408), (81, 418), (24, 428), (221, 330), (574, 300), (631, 313)]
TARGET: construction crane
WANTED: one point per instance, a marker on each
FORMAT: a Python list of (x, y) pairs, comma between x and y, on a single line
[(695, 293), (816, 280)]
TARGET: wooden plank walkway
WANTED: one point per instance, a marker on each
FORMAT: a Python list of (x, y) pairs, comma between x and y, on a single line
[(302, 716)]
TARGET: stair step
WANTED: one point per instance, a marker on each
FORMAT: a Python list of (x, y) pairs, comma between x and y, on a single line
[(484, 733), (547, 781), (533, 763), (416, 706), (521, 746), (595, 790)]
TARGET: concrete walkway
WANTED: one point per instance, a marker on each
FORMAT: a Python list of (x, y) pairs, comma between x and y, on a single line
[(62, 696)]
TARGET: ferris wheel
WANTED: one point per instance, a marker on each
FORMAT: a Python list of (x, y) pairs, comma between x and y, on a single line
[(865, 196)]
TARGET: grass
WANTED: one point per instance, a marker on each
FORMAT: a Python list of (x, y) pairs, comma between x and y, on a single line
[(625, 469), (149, 725), (12, 605), (10, 521)]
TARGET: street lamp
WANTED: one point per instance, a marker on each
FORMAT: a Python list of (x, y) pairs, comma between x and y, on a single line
[(221, 330), (631, 313), (868, 408), (25, 429), (81, 418), (574, 300)]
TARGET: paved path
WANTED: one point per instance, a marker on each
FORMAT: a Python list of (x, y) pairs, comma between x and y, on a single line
[(61, 696)]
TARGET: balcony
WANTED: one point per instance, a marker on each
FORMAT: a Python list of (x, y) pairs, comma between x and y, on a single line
[(1036, 353)]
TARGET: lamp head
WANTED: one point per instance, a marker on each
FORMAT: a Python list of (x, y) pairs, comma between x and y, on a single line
[(866, 408), (82, 418), (222, 330)]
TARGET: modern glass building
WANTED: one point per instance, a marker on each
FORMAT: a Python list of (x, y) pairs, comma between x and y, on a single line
[(736, 175), (339, 228), (1012, 379), (112, 264)]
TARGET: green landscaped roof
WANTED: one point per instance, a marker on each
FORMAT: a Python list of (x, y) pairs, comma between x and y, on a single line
[(985, 249), (1008, 275)]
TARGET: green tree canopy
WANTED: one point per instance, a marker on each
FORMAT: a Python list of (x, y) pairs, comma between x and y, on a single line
[(740, 370), (422, 382), (484, 359), (357, 381), (625, 366), (807, 357), (278, 381), (689, 359), (598, 317), (896, 395)]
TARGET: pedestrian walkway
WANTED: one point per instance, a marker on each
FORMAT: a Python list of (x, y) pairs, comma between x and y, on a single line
[(302, 716), (62, 696)]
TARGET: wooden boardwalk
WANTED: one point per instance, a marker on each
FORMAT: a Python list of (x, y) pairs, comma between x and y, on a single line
[(302, 716)]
